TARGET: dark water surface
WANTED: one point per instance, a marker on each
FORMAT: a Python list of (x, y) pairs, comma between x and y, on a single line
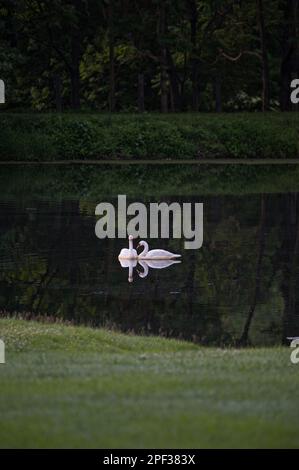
[(241, 287)]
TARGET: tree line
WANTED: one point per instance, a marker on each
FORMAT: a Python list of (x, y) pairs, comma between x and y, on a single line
[(146, 55)]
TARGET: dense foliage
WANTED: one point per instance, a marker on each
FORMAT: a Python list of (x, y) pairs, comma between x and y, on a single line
[(177, 55), (150, 136)]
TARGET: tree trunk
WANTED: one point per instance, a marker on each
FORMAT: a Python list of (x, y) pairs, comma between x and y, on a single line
[(217, 94), (111, 58), (75, 72), (57, 90), (194, 59), (163, 86), (163, 58), (265, 62), (174, 84), (290, 52), (141, 106), (75, 89)]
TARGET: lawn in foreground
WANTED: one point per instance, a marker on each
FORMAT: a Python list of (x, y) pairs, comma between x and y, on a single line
[(66, 386)]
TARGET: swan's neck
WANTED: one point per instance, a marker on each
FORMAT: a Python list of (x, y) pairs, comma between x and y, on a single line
[(130, 244), (145, 249)]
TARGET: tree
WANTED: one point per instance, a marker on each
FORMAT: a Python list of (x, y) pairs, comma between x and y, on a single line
[(264, 55), (289, 50), (177, 55), (161, 31)]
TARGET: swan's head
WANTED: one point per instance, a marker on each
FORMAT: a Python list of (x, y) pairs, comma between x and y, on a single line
[(131, 237), (144, 244)]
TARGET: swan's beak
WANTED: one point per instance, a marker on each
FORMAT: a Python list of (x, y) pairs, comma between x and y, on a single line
[(138, 245)]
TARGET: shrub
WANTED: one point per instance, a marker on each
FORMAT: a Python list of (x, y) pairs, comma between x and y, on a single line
[(72, 139), (90, 136)]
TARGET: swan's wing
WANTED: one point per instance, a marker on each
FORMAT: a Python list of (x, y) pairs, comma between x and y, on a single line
[(124, 253), (160, 263), (162, 254), (127, 253)]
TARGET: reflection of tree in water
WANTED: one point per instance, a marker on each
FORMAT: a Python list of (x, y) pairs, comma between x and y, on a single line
[(288, 265), (290, 254), (55, 265), (244, 339)]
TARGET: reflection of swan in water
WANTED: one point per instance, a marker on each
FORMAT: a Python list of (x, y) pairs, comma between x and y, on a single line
[(146, 264), (154, 264), (155, 254), (130, 253), (155, 259), (128, 263)]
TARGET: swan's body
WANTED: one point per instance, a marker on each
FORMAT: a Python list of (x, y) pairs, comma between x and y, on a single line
[(155, 254), (130, 253), (156, 263)]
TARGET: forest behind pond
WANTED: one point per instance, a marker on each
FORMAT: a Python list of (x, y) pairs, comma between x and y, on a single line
[(149, 55)]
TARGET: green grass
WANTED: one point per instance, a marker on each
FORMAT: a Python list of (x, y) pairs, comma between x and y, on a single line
[(51, 137), (66, 386)]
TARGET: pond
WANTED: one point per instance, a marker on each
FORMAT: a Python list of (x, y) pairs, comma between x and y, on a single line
[(240, 288)]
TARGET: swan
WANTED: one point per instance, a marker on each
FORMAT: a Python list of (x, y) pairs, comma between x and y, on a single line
[(154, 254), (130, 253)]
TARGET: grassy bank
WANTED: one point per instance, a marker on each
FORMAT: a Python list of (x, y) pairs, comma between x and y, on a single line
[(65, 386), (39, 137)]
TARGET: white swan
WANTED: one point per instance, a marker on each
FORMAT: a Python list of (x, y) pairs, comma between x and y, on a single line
[(154, 254), (130, 253)]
